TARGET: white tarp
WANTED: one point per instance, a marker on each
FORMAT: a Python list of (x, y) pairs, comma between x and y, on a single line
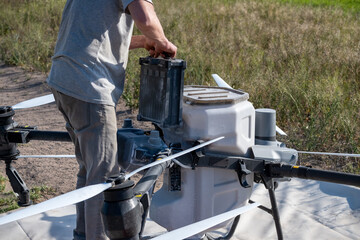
[(308, 210)]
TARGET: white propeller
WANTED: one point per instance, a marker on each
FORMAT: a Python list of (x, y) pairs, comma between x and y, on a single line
[(192, 229), (173, 156), (221, 83), (86, 192), (35, 102), (281, 132), (57, 202)]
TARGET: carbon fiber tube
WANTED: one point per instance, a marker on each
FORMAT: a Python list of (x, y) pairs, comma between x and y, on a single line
[(49, 136), (314, 174), (150, 177)]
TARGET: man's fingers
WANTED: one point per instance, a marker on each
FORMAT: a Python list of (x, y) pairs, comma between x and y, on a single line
[(167, 50), (152, 52)]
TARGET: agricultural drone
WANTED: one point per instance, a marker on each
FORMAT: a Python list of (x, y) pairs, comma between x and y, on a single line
[(210, 143)]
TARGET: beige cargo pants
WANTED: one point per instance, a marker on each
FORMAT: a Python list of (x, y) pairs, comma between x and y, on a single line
[(92, 128)]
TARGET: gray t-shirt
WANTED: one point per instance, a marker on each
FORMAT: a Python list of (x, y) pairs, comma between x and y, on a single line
[(92, 50)]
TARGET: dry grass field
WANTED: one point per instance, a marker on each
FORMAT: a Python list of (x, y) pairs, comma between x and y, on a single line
[(300, 57)]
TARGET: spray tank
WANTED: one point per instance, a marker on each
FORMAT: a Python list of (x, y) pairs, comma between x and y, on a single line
[(195, 193), (200, 185)]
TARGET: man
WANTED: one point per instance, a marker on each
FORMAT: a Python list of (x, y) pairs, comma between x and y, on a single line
[(87, 79)]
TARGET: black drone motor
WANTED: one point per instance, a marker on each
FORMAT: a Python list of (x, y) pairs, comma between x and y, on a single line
[(126, 206), (122, 212), (7, 150)]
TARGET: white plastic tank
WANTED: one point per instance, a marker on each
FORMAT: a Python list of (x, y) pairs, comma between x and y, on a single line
[(208, 112), (205, 192)]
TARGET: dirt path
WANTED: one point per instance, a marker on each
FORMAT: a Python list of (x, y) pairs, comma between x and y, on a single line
[(17, 85)]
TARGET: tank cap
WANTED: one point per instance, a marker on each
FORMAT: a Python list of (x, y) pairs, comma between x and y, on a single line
[(154, 138), (127, 123), (213, 95)]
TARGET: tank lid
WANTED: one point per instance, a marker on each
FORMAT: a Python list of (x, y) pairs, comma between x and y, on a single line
[(213, 95)]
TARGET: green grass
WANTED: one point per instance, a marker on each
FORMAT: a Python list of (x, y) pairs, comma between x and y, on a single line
[(9, 201), (39, 193), (347, 5), (28, 31), (2, 183), (301, 58)]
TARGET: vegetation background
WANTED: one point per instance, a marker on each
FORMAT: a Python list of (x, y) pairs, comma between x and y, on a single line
[(300, 57)]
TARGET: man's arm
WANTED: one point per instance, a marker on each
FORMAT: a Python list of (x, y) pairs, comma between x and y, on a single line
[(137, 41), (147, 22)]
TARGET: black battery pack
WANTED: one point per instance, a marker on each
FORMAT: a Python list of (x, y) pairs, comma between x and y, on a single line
[(161, 91)]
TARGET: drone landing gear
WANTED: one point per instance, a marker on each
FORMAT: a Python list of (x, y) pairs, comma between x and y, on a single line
[(271, 185), (18, 185), (8, 153), (275, 213)]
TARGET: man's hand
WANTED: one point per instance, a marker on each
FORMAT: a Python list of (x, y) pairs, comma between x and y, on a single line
[(154, 39), (160, 47)]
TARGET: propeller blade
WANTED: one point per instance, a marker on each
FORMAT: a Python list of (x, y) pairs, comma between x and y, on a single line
[(221, 83), (46, 156), (172, 157), (35, 102), (281, 132), (192, 229), (334, 154), (57, 202)]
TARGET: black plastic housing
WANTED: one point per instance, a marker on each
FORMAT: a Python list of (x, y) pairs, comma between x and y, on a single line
[(161, 91), (136, 149), (122, 212), (7, 149)]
